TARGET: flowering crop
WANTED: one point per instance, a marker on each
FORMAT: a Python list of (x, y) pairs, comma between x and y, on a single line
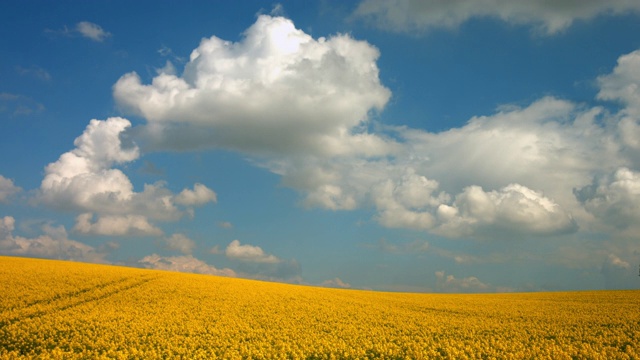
[(61, 310)]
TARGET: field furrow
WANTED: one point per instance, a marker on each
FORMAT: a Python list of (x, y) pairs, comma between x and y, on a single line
[(66, 301)]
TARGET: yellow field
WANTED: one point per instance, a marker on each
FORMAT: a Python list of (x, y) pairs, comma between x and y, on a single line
[(56, 309)]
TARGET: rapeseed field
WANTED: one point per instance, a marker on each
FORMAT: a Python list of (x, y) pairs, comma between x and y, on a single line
[(64, 310)]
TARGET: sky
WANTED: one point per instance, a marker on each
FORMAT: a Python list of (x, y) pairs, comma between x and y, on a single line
[(392, 145)]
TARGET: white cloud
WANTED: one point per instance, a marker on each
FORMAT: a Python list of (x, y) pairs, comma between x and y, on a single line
[(249, 253), (614, 200), (277, 90), (183, 264), (335, 283), (402, 203), (200, 195), (255, 263), (451, 284), (329, 86), (521, 162), (297, 106), (116, 225), (54, 243), (548, 17), (83, 177), (180, 242), (92, 31), (618, 263), (85, 180), (623, 84), (7, 189), (513, 209)]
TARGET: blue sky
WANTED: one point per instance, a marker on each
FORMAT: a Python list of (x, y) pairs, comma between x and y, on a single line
[(479, 146)]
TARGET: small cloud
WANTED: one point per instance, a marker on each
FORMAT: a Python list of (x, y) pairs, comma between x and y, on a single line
[(92, 31), (615, 261), (180, 243), (451, 284), (200, 195), (215, 250), (115, 225), (84, 28), (225, 224), (278, 10), (617, 273), (249, 253), (7, 189), (35, 72), (183, 264), (335, 283), (19, 105), (166, 51)]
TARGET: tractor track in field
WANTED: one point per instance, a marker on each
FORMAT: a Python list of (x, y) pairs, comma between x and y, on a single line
[(69, 294), (62, 302)]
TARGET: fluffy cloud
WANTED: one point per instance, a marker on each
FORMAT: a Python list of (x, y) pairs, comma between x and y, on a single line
[(180, 242), (92, 31), (7, 189), (514, 170), (451, 284), (249, 253), (115, 225), (547, 17), (622, 84), (85, 179), (183, 264), (54, 243), (614, 199), (256, 264), (278, 90), (401, 202), (513, 209), (298, 106), (200, 195)]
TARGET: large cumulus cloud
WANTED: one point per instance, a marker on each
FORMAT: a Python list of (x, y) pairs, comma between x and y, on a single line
[(300, 107), (277, 90)]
